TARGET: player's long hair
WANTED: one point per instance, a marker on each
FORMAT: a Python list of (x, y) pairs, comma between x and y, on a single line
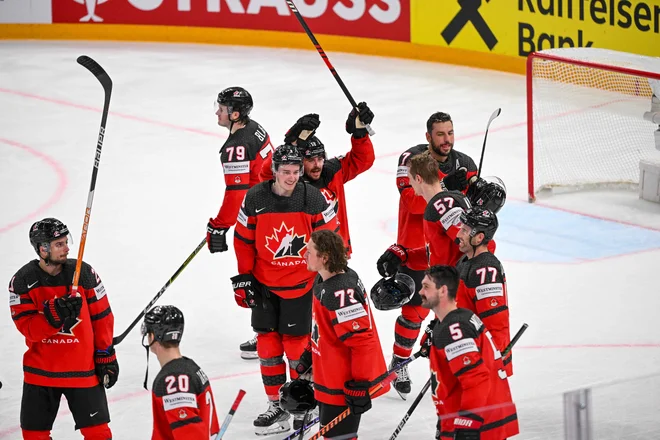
[(425, 166), (331, 245)]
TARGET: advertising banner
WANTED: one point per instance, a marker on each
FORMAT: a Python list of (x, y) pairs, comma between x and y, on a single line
[(384, 19), (518, 27), (25, 11)]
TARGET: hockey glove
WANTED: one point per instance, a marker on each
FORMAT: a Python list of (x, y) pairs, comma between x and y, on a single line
[(358, 119), (357, 396), (106, 366), (389, 263), (456, 180), (245, 290), (57, 310), (466, 428), (427, 339), (309, 122), (304, 367), (216, 238)]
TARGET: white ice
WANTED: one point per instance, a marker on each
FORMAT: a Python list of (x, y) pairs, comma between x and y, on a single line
[(591, 302)]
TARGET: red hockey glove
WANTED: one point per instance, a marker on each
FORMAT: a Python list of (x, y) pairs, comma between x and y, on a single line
[(216, 238), (56, 310), (106, 366), (389, 263), (309, 122), (245, 290), (358, 119), (427, 339), (357, 396)]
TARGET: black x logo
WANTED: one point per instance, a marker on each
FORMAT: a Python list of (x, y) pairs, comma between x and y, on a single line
[(469, 13)]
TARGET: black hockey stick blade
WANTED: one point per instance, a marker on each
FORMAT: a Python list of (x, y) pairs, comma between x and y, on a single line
[(97, 71), (495, 114)]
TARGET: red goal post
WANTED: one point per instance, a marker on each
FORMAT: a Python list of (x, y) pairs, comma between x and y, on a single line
[(585, 118)]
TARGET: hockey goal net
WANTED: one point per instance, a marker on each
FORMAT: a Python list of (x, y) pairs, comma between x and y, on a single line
[(585, 124)]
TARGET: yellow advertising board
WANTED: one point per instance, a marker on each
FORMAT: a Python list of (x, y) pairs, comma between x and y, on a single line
[(519, 27)]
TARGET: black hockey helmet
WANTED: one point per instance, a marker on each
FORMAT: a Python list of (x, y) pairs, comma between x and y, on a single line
[(237, 99), (165, 322), (286, 154), (46, 230), (393, 292), (487, 193), (312, 147), (480, 220), (297, 396)]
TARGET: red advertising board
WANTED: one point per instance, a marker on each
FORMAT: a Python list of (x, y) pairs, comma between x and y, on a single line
[(383, 19)]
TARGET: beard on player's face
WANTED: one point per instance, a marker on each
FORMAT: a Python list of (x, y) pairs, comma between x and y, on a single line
[(442, 148)]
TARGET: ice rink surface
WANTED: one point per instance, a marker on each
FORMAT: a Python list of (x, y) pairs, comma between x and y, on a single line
[(582, 269)]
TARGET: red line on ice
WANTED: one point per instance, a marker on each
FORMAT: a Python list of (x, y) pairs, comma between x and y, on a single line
[(61, 184)]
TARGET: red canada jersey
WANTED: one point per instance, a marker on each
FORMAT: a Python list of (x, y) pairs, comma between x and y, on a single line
[(183, 403), (467, 376), (345, 343), (242, 156), (335, 173), (60, 357), (272, 233), (411, 207), (482, 290), (442, 221)]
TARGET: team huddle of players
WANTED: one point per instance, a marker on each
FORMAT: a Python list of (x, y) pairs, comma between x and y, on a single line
[(292, 246)]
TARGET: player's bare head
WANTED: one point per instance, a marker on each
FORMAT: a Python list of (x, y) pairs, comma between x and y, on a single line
[(442, 279), (440, 133), (329, 247), (423, 168)]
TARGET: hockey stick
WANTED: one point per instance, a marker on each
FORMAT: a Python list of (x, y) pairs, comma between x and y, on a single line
[(495, 114), (412, 408), (426, 386), (234, 406), (106, 82), (118, 339), (390, 376), (321, 52)]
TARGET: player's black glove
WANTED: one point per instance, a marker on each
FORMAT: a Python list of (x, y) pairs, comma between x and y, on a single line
[(304, 367), (56, 310), (389, 263), (357, 396), (467, 428), (427, 339), (245, 290), (456, 180), (308, 122), (358, 119), (106, 366), (216, 238)]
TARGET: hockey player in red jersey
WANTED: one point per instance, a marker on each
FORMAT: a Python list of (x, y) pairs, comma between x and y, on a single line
[(242, 155), (69, 338), (330, 175), (483, 282), (274, 225), (456, 170), (440, 219), (181, 396), (347, 358), (469, 388)]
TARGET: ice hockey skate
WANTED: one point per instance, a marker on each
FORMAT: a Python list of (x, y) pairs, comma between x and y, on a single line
[(273, 421), (402, 381), (249, 349)]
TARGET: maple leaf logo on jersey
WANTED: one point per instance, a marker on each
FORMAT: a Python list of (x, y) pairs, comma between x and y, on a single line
[(69, 325), (434, 385), (285, 243)]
